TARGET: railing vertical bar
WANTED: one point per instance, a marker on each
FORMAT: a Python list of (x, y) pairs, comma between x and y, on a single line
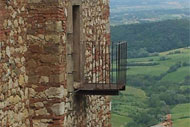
[(119, 63), (112, 62), (126, 63), (92, 63), (109, 64), (102, 64), (99, 68), (95, 61), (122, 62), (116, 65)]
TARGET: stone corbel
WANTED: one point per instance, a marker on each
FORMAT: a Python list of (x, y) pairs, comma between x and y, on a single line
[(76, 2), (76, 85)]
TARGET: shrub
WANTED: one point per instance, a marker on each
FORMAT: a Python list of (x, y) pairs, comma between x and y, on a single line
[(185, 64), (143, 64), (154, 54), (162, 58), (177, 52), (151, 60), (174, 67)]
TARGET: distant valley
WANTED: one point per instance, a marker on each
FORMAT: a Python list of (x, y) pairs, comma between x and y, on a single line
[(140, 11), (158, 74), (156, 86), (152, 37), (158, 71)]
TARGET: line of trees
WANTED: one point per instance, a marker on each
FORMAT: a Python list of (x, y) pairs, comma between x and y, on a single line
[(161, 96), (147, 38)]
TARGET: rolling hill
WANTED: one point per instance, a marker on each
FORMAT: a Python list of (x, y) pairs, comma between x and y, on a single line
[(140, 11), (153, 37), (153, 97)]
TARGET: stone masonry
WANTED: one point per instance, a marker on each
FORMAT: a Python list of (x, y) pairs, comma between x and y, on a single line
[(36, 65)]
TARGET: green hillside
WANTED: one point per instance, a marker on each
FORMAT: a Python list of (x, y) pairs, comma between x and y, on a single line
[(163, 65), (181, 115), (153, 37), (119, 120), (182, 123), (126, 104), (181, 111), (156, 86)]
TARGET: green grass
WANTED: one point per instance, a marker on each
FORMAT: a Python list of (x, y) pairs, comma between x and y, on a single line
[(135, 92), (181, 111), (182, 123), (119, 121), (177, 76), (130, 101), (181, 115), (133, 100), (184, 50), (153, 70), (184, 87), (163, 66)]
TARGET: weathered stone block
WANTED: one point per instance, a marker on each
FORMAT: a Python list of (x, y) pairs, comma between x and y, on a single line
[(42, 111), (35, 48), (44, 79), (62, 77), (39, 105), (32, 92), (34, 1), (16, 23), (54, 26), (31, 64), (55, 92), (58, 109), (51, 48), (43, 70), (53, 38), (53, 59), (33, 79), (20, 41), (21, 80)]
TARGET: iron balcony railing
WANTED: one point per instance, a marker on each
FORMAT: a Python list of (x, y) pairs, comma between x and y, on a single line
[(118, 69), (107, 75)]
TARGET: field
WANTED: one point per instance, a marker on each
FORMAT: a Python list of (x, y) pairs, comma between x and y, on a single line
[(182, 123), (119, 121), (134, 99), (177, 76), (164, 65), (181, 115), (135, 11), (181, 111), (127, 103)]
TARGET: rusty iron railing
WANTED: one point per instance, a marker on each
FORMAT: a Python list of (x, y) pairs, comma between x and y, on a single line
[(108, 66), (118, 69)]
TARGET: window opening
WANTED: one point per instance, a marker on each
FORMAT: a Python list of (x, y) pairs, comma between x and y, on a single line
[(76, 42)]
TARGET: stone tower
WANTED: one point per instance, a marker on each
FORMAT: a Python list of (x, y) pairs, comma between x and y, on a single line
[(45, 48)]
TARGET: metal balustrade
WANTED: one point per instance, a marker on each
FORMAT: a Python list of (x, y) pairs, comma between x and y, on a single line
[(107, 75)]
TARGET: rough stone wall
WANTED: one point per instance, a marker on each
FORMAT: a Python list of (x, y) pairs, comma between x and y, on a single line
[(46, 62), (13, 79), (34, 85), (96, 31)]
